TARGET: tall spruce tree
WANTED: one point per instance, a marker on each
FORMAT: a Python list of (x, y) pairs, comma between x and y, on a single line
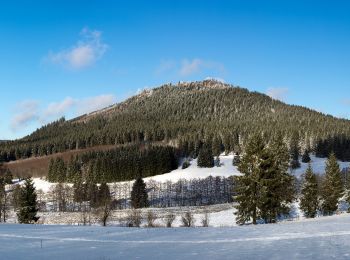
[(306, 157), (139, 196), (294, 151), (28, 203), (332, 186), (247, 186), (277, 184), (205, 157), (309, 194)]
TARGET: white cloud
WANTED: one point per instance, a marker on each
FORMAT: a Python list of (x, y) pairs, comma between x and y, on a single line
[(25, 113), (57, 109), (91, 104), (189, 67), (278, 93), (28, 111), (84, 53)]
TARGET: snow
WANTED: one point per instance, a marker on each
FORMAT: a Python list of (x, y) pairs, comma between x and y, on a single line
[(321, 238), (318, 166), (226, 169)]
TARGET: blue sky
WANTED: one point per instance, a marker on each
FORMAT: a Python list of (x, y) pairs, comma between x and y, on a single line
[(70, 57)]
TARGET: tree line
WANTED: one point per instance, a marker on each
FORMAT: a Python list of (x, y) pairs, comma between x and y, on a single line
[(120, 164), (265, 191)]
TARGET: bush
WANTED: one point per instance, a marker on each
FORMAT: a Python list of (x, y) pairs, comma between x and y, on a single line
[(186, 164), (187, 219), (151, 218), (205, 220), (134, 218), (169, 219)]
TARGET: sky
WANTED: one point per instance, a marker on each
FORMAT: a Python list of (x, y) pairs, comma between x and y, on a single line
[(67, 58)]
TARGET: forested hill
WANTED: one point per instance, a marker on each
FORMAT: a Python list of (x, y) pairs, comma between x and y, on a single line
[(188, 114)]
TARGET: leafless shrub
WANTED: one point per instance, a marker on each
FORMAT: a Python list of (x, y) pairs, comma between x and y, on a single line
[(169, 219), (134, 218), (151, 218), (187, 219), (205, 219)]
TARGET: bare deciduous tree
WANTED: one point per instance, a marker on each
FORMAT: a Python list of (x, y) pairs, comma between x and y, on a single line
[(169, 219), (187, 219)]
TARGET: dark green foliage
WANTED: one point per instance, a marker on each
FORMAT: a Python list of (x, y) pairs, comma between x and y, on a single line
[(103, 196), (278, 185), (139, 196), (205, 157), (119, 164), (306, 157), (265, 189), (247, 185), (28, 203), (332, 186), (236, 159), (309, 194), (294, 151), (205, 111), (186, 164), (57, 170), (216, 146)]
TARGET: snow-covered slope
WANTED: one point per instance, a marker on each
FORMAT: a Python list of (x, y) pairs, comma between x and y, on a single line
[(318, 166), (322, 238), (225, 170)]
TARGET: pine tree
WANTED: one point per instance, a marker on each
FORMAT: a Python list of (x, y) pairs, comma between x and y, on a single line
[(236, 159), (294, 151), (216, 146), (28, 203), (247, 186), (306, 157), (277, 184), (309, 194), (205, 157), (104, 196), (139, 196), (332, 187)]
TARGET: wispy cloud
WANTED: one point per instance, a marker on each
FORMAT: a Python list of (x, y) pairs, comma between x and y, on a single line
[(188, 67), (91, 104), (25, 113), (194, 66), (84, 53), (278, 93), (29, 111)]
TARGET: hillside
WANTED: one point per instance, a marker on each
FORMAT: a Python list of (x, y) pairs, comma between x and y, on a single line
[(185, 115)]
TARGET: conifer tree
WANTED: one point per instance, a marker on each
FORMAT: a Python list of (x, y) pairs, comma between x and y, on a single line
[(216, 146), (332, 186), (247, 186), (294, 151), (205, 157), (28, 203), (104, 196), (309, 194), (139, 196), (306, 157), (276, 183), (236, 159)]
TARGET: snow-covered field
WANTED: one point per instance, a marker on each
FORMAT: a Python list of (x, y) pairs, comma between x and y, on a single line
[(322, 238)]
